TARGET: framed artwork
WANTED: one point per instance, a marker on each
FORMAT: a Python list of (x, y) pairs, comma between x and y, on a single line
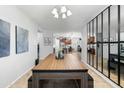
[(48, 41), (4, 38), (21, 40)]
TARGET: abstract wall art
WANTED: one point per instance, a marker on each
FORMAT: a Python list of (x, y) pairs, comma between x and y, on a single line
[(4, 38), (21, 40), (48, 41)]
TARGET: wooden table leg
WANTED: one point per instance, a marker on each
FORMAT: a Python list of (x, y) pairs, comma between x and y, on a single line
[(35, 81)]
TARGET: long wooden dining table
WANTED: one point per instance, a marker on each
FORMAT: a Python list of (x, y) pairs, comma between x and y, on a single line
[(70, 67)]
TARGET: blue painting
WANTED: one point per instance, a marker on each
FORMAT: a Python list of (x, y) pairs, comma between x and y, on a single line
[(4, 38), (21, 40)]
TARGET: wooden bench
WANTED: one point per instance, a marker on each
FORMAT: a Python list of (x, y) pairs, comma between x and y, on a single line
[(90, 82)]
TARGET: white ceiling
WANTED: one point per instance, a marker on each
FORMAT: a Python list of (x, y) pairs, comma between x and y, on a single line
[(81, 14)]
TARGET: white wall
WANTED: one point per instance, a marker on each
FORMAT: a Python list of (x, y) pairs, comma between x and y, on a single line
[(13, 66), (44, 50)]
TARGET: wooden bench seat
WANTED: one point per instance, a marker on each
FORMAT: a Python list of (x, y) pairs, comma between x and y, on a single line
[(59, 83)]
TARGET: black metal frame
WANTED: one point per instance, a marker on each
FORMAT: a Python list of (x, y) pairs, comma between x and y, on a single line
[(96, 43), (102, 42), (108, 42), (119, 44), (92, 45)]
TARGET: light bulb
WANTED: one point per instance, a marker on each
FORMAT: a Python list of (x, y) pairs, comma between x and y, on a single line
[(69, 13), (63, 16), (54, 11), (63, 9), (56, 16)]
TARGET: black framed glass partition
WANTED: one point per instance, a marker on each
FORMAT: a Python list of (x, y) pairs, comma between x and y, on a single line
[(99, 40), (113, 55), (106, 43), (114, 62)]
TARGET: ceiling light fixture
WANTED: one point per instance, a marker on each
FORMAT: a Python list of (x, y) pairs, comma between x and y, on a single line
[(61, 12)]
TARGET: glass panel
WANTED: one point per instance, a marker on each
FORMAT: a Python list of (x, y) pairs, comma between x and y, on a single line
[(95, 29), (122, 35), (113, 24), (88, 47), (91, 46), (105, 26), (90, 55), (105, 45), (91, 59), (99, 48), (122, 64), (114, 62), (105, 59), (92, 28), (113, 47), (94, 56), (91, 32), (88, 31), (122, 47), (99, 35)]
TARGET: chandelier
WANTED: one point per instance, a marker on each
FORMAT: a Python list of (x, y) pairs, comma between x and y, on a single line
[(61, 12)]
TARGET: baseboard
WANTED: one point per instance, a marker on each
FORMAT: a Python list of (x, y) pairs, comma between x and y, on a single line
[(41, 58), (19, 77), (102, 76)]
